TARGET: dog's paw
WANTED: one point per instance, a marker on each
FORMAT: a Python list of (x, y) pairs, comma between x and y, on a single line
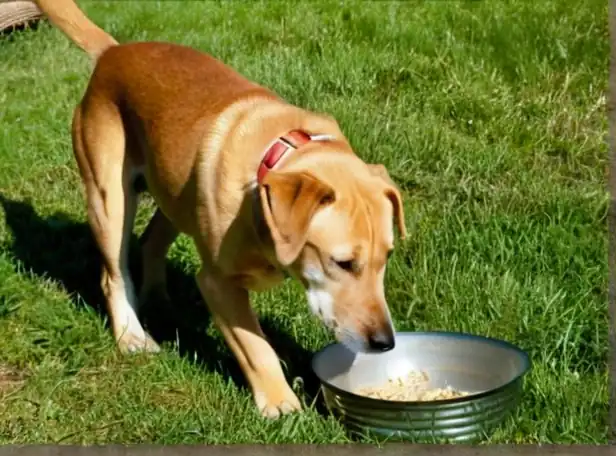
[(274, 405), (133, 343)]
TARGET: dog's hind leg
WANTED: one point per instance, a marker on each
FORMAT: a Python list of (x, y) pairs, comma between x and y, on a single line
[(155, 242), (99, 145)]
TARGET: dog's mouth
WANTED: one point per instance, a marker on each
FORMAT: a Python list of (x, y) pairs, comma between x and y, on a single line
[(328, 321), (380, 341), (352, 341), (330, 324), (375, 338)]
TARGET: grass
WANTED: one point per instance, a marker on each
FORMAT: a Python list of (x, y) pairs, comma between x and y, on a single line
[(490, 116)]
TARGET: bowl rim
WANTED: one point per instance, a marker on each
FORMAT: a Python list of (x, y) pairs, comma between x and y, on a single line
[(526, 368)]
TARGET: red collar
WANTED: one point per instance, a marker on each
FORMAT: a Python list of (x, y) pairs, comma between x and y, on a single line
[(292, 140)]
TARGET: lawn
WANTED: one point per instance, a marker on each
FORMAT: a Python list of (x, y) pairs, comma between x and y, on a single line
[(491, 116)]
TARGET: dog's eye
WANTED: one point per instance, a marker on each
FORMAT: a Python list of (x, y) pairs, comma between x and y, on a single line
[(347, 265)]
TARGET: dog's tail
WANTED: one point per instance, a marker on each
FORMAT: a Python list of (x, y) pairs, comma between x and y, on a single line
[(66, 16)]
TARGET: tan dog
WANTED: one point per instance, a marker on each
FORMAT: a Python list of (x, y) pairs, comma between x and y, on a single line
[(234, 167)]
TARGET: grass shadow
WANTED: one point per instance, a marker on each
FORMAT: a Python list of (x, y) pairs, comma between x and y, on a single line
[(10, 32), (63, 250)]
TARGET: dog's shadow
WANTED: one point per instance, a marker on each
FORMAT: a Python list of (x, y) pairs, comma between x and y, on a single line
[(61, 249)]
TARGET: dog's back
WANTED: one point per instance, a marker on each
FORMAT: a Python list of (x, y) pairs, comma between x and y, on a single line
[(169, 80)]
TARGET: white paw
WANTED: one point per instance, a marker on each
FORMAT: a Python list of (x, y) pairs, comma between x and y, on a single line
[(133, 343), (275, 405)]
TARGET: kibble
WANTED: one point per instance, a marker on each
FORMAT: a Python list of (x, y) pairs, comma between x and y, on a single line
[(412, 388)]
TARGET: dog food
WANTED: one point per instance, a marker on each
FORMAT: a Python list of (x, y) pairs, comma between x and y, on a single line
[(414, 387)]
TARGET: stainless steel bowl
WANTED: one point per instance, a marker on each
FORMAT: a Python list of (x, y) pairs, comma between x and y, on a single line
[(491, 370)]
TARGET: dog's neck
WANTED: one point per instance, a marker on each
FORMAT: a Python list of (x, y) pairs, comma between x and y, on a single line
[(282, 146), (278, 149), (287, 144)]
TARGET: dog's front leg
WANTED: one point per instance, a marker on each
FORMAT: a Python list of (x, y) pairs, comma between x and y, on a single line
[(232, 313)]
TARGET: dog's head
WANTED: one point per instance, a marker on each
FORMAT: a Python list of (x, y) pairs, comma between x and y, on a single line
[(332, 221)]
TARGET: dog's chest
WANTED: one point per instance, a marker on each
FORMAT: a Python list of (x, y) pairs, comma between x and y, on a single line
[(253, 272)]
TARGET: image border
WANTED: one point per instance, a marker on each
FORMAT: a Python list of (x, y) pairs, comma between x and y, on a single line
[(399, 449), (611, 115)]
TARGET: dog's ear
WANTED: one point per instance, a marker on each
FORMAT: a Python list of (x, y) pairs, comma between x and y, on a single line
[(289, 201), (393, 193)]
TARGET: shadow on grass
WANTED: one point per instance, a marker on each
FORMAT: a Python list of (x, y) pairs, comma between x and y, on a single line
[(63, 250), (10, 32)]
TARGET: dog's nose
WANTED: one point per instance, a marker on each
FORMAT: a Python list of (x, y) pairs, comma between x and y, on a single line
[(382, 341)]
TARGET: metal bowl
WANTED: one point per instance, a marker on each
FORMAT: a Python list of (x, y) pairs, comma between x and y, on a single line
[(490, 370)]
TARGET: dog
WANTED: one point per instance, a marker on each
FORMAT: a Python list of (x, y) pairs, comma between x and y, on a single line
[(265, 190)]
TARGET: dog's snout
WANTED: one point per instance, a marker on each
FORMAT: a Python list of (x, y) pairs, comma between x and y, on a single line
[(382, 341)]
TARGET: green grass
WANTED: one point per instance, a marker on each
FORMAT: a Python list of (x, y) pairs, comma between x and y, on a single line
[(490, 116)]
